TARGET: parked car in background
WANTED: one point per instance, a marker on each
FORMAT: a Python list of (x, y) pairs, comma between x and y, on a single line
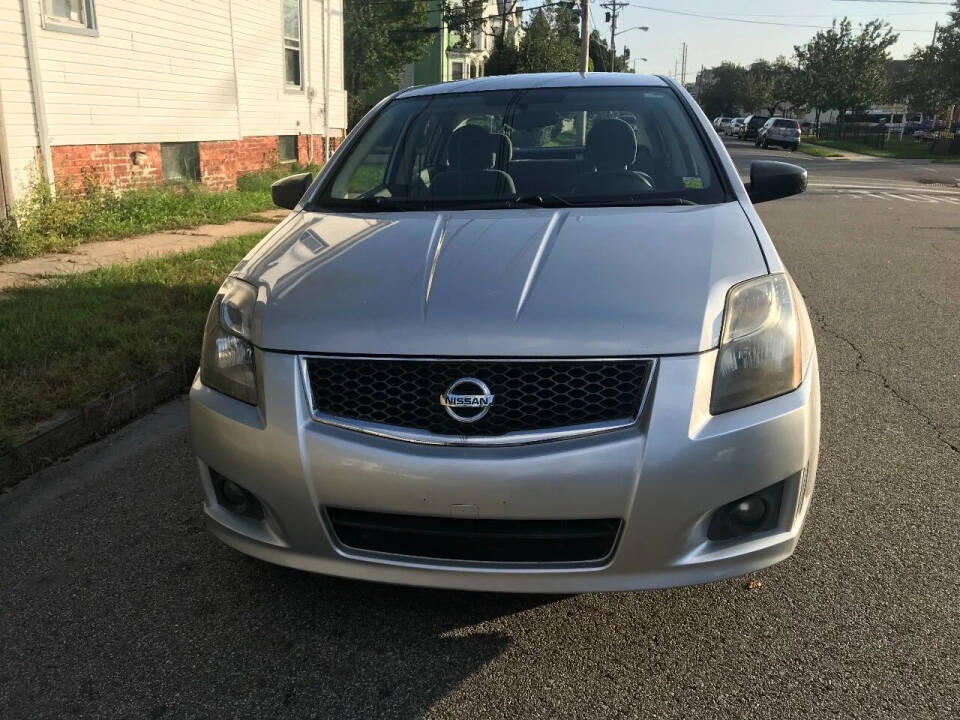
[(721, 124), (807, 128), (735, 125), (751, 124), (474, 414), (779, 131)]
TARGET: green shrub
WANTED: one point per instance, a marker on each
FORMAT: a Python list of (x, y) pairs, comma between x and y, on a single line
[(92, 211), (261, 181)]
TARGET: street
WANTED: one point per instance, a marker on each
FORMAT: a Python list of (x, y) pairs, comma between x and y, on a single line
[(115, 603)]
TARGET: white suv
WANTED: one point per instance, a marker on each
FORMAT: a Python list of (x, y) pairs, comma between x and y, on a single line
[(779, 131)]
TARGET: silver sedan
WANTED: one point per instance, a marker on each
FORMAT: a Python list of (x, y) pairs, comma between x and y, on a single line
[(523, 333)]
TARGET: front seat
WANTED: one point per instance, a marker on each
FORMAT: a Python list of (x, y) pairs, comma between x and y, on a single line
[(471, 152), (611, 149)]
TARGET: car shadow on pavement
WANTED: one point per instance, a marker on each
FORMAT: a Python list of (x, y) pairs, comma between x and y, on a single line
[(355, 648), (119, 604), (362, 649)]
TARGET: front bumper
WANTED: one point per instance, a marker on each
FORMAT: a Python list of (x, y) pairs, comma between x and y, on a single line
[(663, 477)]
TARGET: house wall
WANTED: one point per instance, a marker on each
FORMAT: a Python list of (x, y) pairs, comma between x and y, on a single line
[(166, 71), (16, 99)]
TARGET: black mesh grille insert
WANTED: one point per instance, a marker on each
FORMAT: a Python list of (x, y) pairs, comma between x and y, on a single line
[(528, 395), (505, 541)]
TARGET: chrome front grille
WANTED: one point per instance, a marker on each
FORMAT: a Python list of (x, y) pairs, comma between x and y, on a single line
[(531, 396)]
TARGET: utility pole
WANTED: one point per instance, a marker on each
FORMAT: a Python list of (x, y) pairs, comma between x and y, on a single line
[(581, 117), (683, 66), (584, 36), (614, 7)]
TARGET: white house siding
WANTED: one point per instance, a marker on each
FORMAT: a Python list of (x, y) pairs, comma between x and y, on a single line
[(164, 71), (16, 100)]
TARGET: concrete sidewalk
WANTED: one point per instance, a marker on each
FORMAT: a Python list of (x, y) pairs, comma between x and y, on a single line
[(90, 256), (843, 154)]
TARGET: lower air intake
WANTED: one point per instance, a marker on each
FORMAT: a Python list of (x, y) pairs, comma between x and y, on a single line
[(454, 539)]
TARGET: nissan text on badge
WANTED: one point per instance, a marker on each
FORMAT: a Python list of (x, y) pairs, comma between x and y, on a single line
[(523, 333)]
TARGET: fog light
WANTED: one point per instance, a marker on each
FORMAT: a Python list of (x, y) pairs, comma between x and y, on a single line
[(234, 497), (234, 494), (750, 511), (752, 514)]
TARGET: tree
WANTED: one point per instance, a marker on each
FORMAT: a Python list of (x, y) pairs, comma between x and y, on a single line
[(551, 42), (821, 63), (468, 19), (379, 40), (760, 83), (949, 41), (600, 55), (869, 56), (931, 79), (728, 92), (504, 58), (770, 86), (845, 71)]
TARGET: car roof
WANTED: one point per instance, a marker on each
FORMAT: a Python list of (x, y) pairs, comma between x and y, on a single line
[(536, 80)]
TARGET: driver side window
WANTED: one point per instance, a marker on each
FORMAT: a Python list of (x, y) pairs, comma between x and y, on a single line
[(366, 168)]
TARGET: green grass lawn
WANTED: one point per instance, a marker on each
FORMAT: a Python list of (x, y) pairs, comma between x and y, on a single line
[(893, 148), (817, 151), (79, 337), (46, 224)]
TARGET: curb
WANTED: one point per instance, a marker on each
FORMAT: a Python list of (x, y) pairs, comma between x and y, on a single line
[(71, 430)]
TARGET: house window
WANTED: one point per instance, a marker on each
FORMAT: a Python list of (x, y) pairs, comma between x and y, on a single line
[(76, 16), (292, 63), (180, 161), (456, 70), (287, 145)]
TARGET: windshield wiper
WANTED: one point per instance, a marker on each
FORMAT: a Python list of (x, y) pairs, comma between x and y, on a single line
[(635, 201), (543, 200), (551, 200)]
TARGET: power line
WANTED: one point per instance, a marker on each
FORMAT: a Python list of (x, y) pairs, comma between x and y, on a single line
[(832, 15), (900, 2), (752, 22), (469, 21)]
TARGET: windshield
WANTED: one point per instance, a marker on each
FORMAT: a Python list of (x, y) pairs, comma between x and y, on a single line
[(521, 148)]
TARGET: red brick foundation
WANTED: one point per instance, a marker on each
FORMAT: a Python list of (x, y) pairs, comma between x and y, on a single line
[(303, 148), (128, 166), (222, 161), (110, 165)]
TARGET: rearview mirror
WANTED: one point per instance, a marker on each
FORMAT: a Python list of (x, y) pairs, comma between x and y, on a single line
[(286, 192), (770, 180)]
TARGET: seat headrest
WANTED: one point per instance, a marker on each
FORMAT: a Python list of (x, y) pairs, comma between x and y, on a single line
[(470, 149), (611, 145)]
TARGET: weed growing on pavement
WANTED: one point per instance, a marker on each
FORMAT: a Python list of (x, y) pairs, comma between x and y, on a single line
[(78, 337)]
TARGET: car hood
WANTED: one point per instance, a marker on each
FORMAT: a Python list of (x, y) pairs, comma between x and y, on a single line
[(596, 282)]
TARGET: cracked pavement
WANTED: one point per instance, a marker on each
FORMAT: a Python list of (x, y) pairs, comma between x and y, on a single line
[(114, 603)]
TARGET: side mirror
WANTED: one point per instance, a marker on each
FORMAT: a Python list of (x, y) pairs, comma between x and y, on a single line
[(770, 180), (286, 192)]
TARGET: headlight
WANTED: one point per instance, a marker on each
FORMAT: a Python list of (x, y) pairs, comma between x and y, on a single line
[(227, 362), (760, 354)]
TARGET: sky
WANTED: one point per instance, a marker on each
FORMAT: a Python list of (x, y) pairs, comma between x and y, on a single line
[(767, 35)]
